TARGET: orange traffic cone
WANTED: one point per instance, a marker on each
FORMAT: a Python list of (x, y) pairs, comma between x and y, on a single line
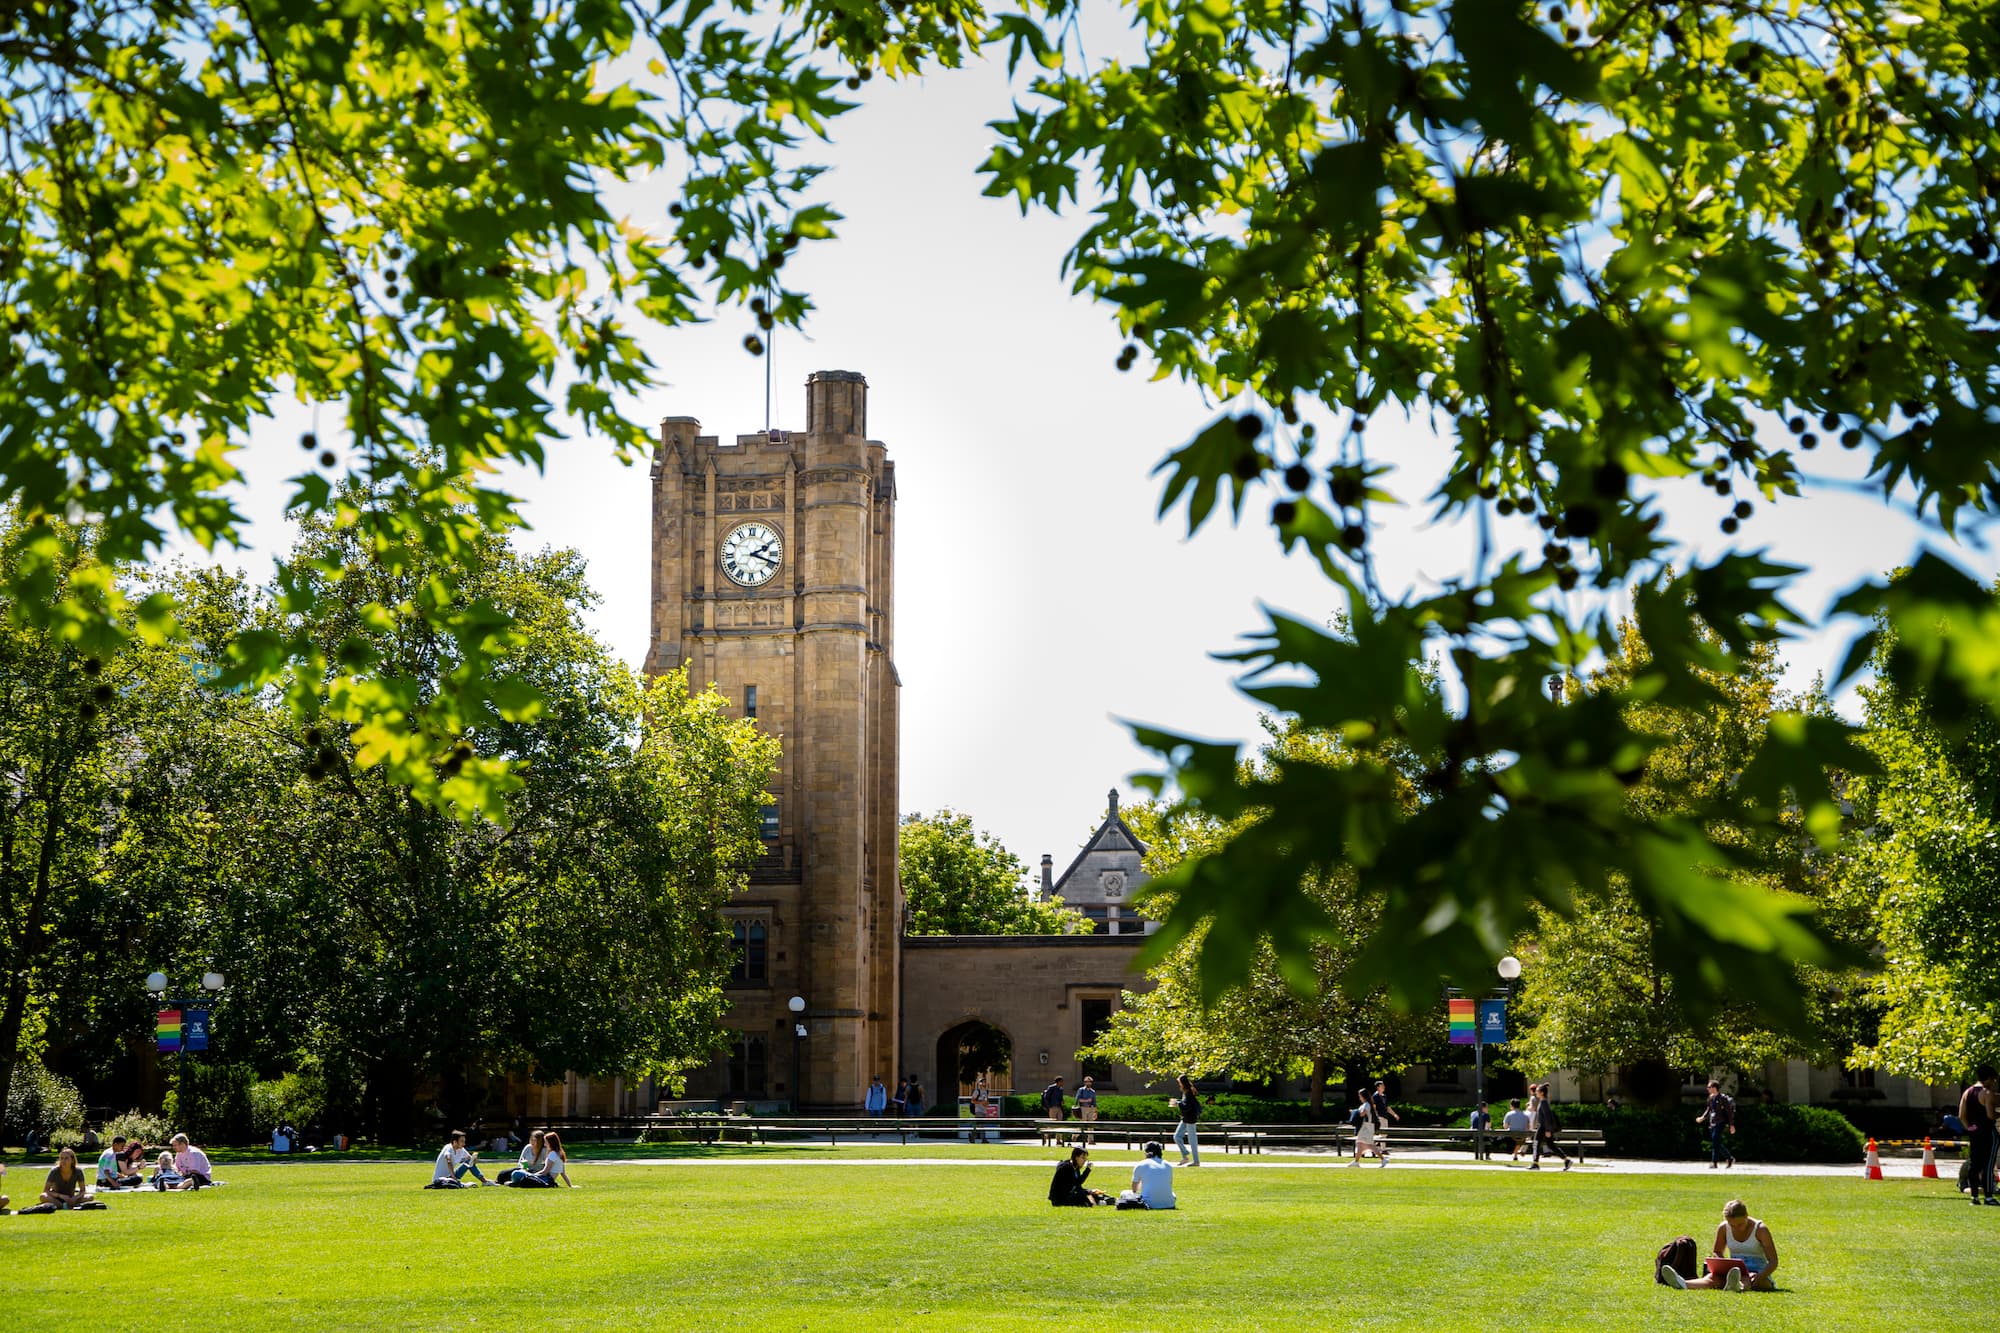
[(1930, 1162), (1874, 1171)]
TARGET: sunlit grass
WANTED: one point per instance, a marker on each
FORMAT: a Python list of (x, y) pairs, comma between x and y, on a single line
[(768, 1240)]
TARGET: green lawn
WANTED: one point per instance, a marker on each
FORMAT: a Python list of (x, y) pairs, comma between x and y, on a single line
[(714, 1243)]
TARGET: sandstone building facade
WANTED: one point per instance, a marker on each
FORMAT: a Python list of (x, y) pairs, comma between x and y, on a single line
[(773, 578)]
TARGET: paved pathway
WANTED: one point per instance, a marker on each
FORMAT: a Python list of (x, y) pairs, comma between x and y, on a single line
[(1406, 1161)]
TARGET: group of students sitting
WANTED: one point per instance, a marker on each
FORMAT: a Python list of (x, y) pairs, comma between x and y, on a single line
[(119, 1167), (543, 1164), (1152, 1182)]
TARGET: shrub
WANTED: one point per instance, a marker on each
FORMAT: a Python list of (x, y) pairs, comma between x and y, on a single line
[(297, 1098), (42, 1102), (1782, 1133), (1892, 1122), (211, 1102), (66, 1138), (138, 1125)]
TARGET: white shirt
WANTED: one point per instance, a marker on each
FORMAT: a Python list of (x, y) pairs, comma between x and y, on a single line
[(556, 1165), (446, 1165), (529, 1161), (1155, 1177)]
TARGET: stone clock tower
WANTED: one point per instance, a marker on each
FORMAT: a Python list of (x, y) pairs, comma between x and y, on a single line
[(774, 578)]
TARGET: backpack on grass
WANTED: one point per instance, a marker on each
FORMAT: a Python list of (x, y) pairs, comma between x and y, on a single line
[(1677, 1254)]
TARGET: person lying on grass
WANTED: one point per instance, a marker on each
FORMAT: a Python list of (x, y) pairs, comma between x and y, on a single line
[(1742, 1237), (532, 1154), (111, 1173), (454, 1164), (65, 1186), (191, 1163), (1067, 1189)]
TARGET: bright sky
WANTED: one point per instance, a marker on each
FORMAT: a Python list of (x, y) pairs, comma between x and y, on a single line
[(1039, 600)]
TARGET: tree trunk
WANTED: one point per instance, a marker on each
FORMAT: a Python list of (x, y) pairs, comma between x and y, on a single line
[(1320, 1068), (10, 1040)]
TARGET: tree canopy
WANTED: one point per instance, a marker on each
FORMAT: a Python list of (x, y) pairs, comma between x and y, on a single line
[(1924, 865), (366, 933), (1596, 993), (1278, 1023), (1601, 247), (958, 880)]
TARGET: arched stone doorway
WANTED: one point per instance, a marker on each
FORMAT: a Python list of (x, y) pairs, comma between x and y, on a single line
[(964, 1051)]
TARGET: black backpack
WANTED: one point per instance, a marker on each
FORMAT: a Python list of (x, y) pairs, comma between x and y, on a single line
[(1677, 1254)]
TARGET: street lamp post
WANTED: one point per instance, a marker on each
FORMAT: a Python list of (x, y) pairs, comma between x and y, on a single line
[(797, 1004), (211, 983), (1508, 968)]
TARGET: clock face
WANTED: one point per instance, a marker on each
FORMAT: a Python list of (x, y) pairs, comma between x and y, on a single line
[(751, 554)]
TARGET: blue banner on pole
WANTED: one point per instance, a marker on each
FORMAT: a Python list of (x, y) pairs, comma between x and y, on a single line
[(194, 1029), (1492, 1022)]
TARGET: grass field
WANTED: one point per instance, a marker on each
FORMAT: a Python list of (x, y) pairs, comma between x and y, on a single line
[(829, 1241)]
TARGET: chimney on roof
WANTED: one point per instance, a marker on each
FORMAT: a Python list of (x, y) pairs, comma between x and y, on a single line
[(1112, 797), (1048, 873)]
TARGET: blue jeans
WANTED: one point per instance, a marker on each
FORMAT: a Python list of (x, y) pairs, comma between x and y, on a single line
[(471, 1169), (1718, 1145), (1188, 1141)]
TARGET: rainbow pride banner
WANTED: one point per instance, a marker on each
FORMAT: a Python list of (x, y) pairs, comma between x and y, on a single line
[(1464, 1025), (167, 1030)]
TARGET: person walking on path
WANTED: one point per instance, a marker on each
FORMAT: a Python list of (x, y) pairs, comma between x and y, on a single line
[(1186, 1137), (1516, 1121), (1086, 1103), (1976, 1107), (1546, 1127), (877, 1099), (1052, 1100), (1384, 1113), (1368, 1130), (1720, 1117), (901, 1099), (913, 1100), (981, 1099)]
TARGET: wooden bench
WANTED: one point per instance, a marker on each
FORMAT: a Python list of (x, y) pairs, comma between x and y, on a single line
[(1124, 1133), (1481, 1143)]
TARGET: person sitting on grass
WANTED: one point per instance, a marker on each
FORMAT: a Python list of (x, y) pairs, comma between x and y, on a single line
[(191, 1163), (532, 1153), (65, 1187), (454, 1164), (1152, 1180), (164, 1175), (1066, 1188), (1741, 1237), (555, 1167), (135, 1157), (111, 1174)]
